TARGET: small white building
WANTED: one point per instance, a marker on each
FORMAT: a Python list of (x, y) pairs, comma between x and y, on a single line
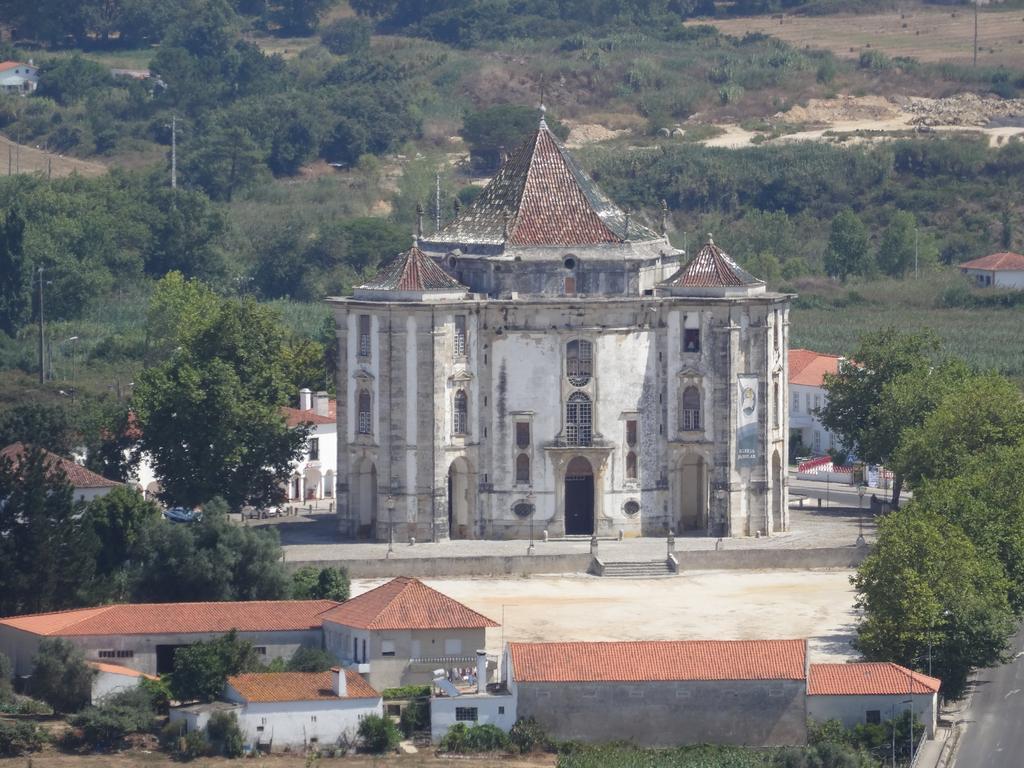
[(298, 710), (312, 477), (87, 484), (402, 631), (18, 77), (114, 678), (479, 703), (997, 270), (807, 395), (870, 692)]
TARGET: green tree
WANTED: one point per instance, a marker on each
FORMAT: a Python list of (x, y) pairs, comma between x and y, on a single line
[(201, 669), (926, 586), (312, 583), (346, 37), (210, 415), (6, 677), (68, 81), (46, 426), (224, 734), (897, 249), (117, 519), (15, 274), (223, 160), (307, 659), (848, 251), (378, 734), (490, 131), (178, 309), (880, 392), (47, 550), (60, 676), (301, 16)]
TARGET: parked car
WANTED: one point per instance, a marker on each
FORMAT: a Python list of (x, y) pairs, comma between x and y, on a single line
[(183, 515)]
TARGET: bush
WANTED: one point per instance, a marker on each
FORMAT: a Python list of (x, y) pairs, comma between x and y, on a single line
[(311, 583), (477, 738), (406, 692), (60, 676), (20, 738), (415, 717), (306, 659), (106, 725), (224, 734), (6, 673), (347, 36), (378, 734), (194, 745), (527, 735)]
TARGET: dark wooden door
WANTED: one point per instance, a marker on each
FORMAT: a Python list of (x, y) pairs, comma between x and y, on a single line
[(579, 505)]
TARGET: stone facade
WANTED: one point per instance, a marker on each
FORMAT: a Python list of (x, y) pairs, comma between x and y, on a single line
[(515, 371)]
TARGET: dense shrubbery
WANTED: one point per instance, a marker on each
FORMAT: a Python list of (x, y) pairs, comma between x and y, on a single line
[(378, 735), (20, 738), (105, 725), (461, 739)]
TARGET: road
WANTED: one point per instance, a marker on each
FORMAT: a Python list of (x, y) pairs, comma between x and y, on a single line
[(993, 736), (835, 493)]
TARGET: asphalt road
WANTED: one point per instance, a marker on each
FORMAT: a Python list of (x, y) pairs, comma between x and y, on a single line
[(833, 493), (993, 735)]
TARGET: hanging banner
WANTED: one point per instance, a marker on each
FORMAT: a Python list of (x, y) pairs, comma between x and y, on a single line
[(747, 427)]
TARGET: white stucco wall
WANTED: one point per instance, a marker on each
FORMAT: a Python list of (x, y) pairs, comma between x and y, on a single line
[(852, 710), (999, 278), (105, 683), (491, 710), (803, 401), (298, 723)]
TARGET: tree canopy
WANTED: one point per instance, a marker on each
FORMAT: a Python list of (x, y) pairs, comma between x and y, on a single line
[(201, 669)]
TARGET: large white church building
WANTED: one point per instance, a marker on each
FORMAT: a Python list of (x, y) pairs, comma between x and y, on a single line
[(543, 359)]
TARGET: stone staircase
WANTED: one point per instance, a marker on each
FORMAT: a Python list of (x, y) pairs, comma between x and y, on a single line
[(645, 569)]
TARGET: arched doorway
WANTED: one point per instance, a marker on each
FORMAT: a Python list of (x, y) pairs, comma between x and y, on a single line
[(364, 498), (579, 498), (692, 484), (312, 484), (459, 515), (777, 524)]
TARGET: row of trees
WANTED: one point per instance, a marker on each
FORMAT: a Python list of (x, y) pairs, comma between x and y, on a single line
[(944, 587)]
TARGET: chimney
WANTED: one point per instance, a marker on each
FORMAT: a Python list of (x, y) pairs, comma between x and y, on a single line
[(321, 403), (305, 399), (338, 682), (481, 671)]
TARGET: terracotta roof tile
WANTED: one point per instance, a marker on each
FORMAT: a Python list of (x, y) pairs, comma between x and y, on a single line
[(77, 475), (808, 368), (174, 618), (413, 271), (997, 262), (540, 196), (644, 661), (117, 669), (406, 603), (5, 65), (295, 416), (867, 679), (711, 268), (299, 686)]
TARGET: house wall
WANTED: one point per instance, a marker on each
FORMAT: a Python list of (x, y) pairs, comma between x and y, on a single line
[(852, 710), (754, 713), (816, 438), (491, 710), (105, 683), (319, 475), (298, 723), (88, 494), (996, 279), (19, 647)]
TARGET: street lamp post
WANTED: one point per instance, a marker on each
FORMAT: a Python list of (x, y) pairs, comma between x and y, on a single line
[(860, 514), (533, 511), (391, 526)]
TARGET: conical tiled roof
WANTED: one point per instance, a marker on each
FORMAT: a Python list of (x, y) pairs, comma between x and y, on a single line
[(711, 268), (540, 196), (412, 271)]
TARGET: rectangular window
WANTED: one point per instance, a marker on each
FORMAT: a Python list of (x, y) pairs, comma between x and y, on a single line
[(387, 647), (355, 649), (691, 340), (460, 335), (314, 448), (364, 651), (817, 402), (364, 335), (873, 717), (807, 402), (106, 654), (796, 402), (631, 433), (465, 714), (570, 286), (394, 710), (522, 434), (261, 650)]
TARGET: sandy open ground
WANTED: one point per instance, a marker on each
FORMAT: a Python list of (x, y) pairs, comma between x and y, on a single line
[(739, 605)]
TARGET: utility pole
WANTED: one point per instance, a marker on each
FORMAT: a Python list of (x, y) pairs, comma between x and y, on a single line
[(916, 275), (975, 51), (174, 152), (42, 343)]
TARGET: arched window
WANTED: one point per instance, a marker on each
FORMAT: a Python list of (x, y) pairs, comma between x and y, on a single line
[(523, 469), (365, 413), (579, 419), (690, 413), (631, 466), (579, 362), (460, 420)]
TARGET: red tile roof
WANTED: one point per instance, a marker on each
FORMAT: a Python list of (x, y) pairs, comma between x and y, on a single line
[(996, 262), (299, 686), (808, 368), (647, 661), (295, 416), (540, 196), (176, 618), (5, 65), (711, 268), (77, 475), (412, 271), (868, 679), (406, 603), (117, 669)]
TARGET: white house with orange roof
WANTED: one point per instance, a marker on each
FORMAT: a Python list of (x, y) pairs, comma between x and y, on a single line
[(402, 631), (301, 710), (871, 692), (109, 679), (807, 370), (87, 484), (997, 270), (313, 476), (144, 636), (18, 77)]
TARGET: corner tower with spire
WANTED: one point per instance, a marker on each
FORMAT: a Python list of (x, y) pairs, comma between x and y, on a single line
[(547, 362)]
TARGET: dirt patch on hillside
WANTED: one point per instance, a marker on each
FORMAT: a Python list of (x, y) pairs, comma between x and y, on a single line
[(26, 159), (842, 108), (590, 133)]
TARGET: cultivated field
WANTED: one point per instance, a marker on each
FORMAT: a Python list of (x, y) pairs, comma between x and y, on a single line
[(26, 159), (927, 35)]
